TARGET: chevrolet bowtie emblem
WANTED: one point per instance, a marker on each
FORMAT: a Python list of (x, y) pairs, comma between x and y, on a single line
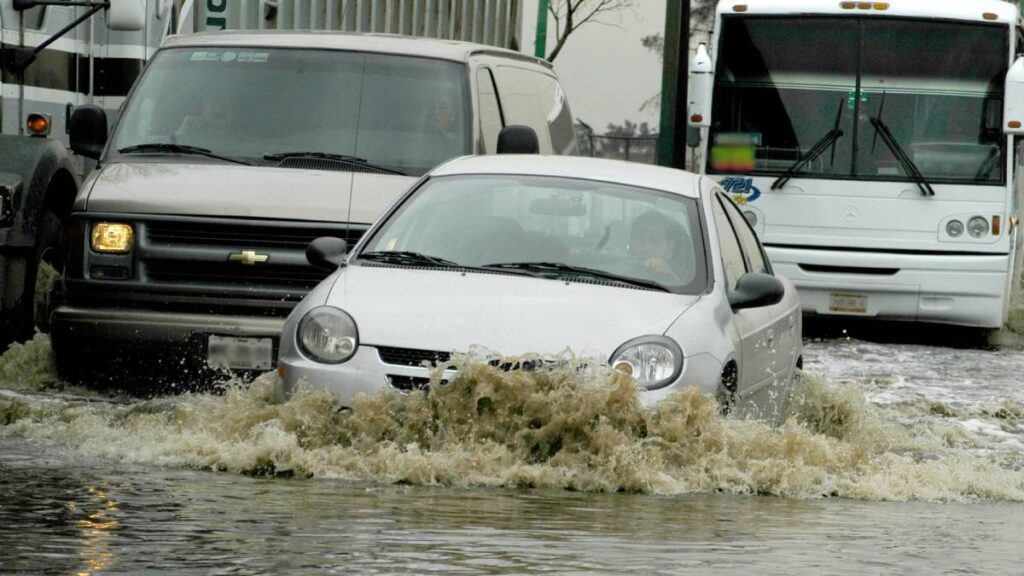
[(248, 257)]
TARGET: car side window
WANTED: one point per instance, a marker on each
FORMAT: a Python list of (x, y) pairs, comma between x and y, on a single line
[(522, 99), (491, 121), (748, 239), (732, 255)]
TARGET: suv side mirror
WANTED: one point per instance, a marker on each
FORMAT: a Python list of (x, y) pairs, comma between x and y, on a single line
[(701, 84), (88, 128), (1013, 99), (327, 253), (518, 140), (755, 290), (126, 15)]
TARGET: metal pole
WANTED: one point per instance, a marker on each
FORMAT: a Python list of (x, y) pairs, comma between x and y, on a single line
[(672, 133), (541, 42)]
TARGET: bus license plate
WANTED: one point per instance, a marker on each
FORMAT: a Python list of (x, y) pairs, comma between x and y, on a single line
[(240, 353), (848, 303)]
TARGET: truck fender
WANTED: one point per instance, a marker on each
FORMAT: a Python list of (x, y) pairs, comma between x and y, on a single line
[(43, 174)]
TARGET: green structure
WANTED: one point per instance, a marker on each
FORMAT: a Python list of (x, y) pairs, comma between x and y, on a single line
[(672, 141)]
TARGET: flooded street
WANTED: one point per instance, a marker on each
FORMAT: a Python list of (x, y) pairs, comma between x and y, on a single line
[(899, 457)]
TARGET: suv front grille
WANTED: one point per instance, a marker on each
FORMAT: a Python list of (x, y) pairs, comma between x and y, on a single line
[(271, 235), (220, 273)]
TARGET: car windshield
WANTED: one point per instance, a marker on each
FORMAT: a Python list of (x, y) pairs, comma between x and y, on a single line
[(936, 85), (401, 114), (551, 227)]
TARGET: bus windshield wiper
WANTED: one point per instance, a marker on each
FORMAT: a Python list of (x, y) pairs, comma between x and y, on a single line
[(178, 149), (540, 268), (351, 160), (405, 258), (829, 139), (901, 156)]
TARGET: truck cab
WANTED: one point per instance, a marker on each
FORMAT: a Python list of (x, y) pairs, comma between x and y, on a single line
[(234, 151)]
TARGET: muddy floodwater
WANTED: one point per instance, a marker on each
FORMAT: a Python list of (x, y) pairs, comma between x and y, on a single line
[(898, 457)]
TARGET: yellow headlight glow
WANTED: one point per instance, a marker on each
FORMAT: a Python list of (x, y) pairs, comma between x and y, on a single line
[(112, 237)]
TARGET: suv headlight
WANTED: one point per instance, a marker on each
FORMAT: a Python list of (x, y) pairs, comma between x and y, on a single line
[(328, 335), (112, 237), (653, 361)]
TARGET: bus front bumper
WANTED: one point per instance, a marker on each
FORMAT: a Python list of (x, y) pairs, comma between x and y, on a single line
[(966, 290)]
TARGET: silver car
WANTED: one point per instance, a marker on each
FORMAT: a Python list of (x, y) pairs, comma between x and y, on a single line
[(651, 269)]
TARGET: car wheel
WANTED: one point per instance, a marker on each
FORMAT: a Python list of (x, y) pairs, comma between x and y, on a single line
[(44, 282)]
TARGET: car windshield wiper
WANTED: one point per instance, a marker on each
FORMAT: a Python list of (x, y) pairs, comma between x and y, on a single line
[(405, 258), (829, 139), (351, 160), (901, 156), (539, 268), (178, 149)]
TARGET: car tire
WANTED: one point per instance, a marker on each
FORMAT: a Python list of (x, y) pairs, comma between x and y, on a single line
[(46, 265)]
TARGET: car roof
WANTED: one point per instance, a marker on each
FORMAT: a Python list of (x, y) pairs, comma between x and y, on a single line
[(361, 42), (601, 170)]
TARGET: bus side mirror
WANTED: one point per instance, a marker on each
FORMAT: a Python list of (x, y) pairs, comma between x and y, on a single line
[(1013, 99), (126, 15), (88, 128), (701, 84)]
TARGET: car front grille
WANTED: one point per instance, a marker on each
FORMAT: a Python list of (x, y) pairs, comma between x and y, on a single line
[(411, 356)]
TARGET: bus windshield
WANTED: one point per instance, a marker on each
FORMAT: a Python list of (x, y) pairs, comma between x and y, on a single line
[(400, 113), (937, 86)]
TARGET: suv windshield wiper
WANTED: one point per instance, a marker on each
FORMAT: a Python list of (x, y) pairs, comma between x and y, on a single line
[(829, 139), (568, 270), (351, 160), (407, 259), (178, 149), (901, 156)]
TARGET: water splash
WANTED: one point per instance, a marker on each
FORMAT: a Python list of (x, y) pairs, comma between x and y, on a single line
[(558, 428)]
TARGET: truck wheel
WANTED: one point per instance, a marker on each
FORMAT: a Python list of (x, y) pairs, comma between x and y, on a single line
[(44, 283)]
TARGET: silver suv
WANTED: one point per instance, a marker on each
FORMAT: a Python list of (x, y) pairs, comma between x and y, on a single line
[(234, 151)]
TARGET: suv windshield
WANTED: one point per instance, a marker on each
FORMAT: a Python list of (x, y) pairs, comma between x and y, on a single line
[(399, 113), (936, 85), (549, 227)]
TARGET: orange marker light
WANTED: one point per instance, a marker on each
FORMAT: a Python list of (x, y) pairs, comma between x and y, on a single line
[(990, 16), (38, 124), (864, 5), (996, 221), (1013, 124), (847, 5), (881, 6), (696, 118), (739, 8)]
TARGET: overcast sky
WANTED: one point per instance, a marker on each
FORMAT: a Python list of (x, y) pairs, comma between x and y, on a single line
[(605, 71)]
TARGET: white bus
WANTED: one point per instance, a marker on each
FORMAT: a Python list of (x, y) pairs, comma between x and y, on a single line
[(868, 144)]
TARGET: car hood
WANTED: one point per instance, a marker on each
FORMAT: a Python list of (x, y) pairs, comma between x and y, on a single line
[(512, 315), (206, 189)]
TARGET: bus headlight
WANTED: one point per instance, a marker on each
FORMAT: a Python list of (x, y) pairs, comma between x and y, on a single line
[(653, 361), (328, 335), (977, 227), (954, 228)]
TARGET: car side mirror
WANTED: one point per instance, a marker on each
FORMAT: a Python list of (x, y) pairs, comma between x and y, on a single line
[(518, 140), (327, 253), (126, 15), (755, 290), (88, 129)]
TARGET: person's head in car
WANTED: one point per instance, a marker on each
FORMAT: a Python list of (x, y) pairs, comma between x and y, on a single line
[(655, 242), (214, 120)]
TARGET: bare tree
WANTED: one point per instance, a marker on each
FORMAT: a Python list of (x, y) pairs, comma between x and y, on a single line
[(570, 15)]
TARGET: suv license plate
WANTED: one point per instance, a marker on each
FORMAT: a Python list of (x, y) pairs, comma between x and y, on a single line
[(848, 303), (240, 353)]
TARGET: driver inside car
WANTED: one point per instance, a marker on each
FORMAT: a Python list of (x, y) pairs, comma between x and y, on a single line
[(656, 242)]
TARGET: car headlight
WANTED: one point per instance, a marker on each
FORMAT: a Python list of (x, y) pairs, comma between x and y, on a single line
[(328, 335), (653, 361), (977, 227), (112, 237)]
